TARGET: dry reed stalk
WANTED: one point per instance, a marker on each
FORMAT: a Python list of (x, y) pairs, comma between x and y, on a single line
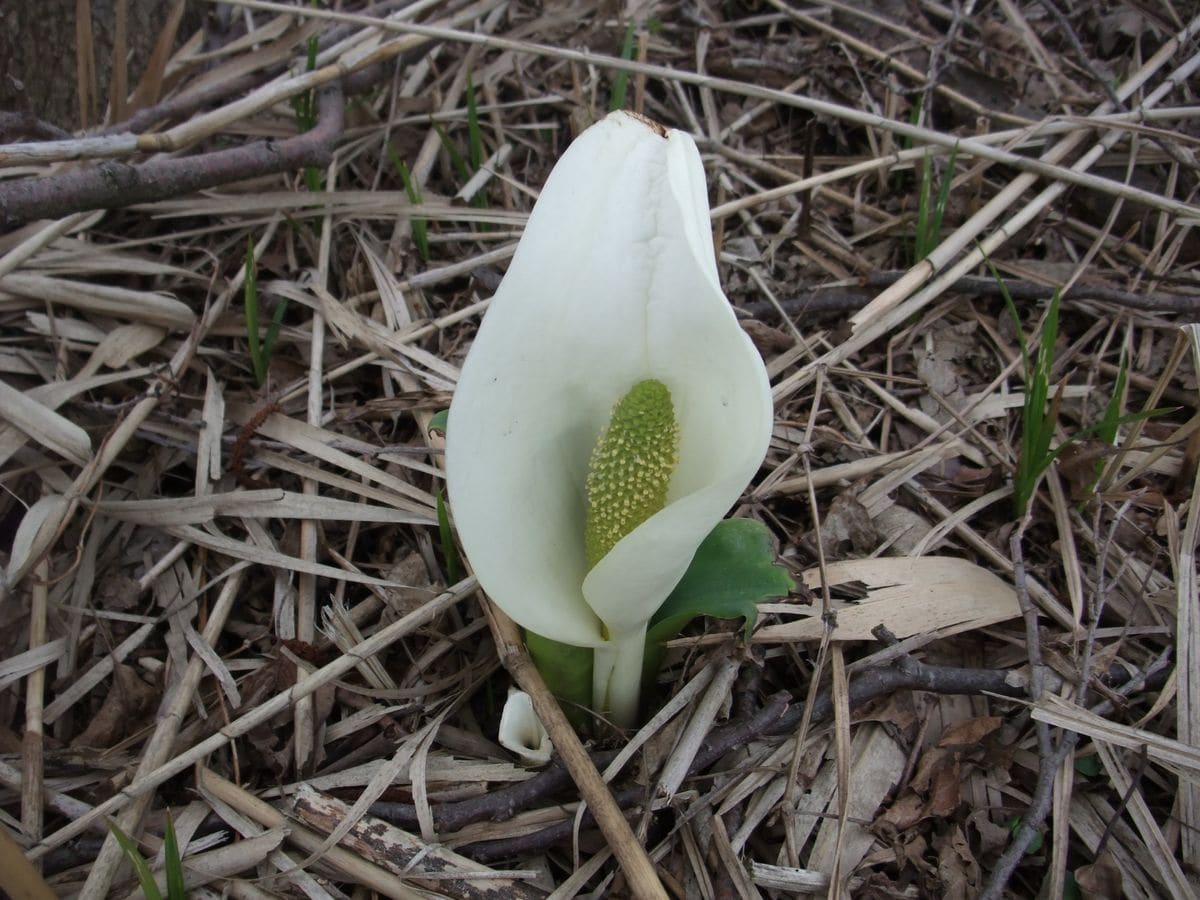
[(161, 744), (147, 782), (341, 469), (184, 135)]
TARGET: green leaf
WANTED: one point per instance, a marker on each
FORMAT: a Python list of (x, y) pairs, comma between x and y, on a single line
[(1037, 422), (930, 210), (1036, 844), (1088, 766), (621, 81), (474, 133), (438, 422), (456, 160), (268, 345), (144, 876), (306, 115), (173, 862), (921, 249), (567, 671), (732, 572), (1110, 424), (420, 228)]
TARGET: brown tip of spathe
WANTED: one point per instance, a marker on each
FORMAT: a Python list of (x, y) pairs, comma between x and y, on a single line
[(657, 127)]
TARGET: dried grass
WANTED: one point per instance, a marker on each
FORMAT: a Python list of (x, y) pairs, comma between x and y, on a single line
[(230, 600)]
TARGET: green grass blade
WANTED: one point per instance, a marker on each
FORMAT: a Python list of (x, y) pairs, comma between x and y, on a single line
[(939, 207), (305, 107), (921, 243), (475, 146), (1127, 419), (144, 876), (1042, 371), (449, 553), (420, 227), (474, 133), (1037, 422), (621, 81), (1012, 311), (173, 862), (1109, 425), (901, 178), (273, 330), (456, 160), (1049, 334), (931, 210), (313, 180)]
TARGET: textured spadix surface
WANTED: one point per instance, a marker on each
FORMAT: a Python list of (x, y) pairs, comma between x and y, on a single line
[(614, 282)]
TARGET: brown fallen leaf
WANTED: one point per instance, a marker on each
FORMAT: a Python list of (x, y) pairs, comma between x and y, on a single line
[(127, 701), (907, 811), (945, 790), (969, 733), (1100, 880), (957, 867)]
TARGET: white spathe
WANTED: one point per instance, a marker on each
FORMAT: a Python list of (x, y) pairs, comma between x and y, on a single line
[(522, 732), (614, 281)]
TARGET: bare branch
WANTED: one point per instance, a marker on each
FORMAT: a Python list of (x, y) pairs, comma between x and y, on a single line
[(112, 184)]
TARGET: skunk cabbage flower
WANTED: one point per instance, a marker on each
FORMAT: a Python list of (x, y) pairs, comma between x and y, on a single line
[(611, 410), (522, 732)]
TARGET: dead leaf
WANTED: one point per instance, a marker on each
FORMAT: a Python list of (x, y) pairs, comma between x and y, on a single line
[(847, 528), (1118, 27), (903, 814), (992, 837), (945, 789), (969, 733), (908, 595), (768, 340), (895, 709), (1101, 880), (902, 527), (127, 701), (957, 867)]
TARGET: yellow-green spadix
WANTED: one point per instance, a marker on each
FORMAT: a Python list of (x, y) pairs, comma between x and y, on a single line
[(613, 287)]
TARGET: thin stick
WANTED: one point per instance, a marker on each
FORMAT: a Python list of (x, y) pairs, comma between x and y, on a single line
[(1050, 759), (272, 94), (33, 775), (363, 871), (628, 850)]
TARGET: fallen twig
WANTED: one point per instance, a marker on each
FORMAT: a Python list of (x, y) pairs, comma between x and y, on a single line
[(845, 297), (778, 716), (112, 184)]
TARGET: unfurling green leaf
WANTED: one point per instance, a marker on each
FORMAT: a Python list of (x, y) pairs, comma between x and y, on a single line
[(733, 571)]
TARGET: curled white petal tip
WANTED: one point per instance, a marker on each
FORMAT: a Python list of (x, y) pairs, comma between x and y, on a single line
[(522, 732), (614, 281)]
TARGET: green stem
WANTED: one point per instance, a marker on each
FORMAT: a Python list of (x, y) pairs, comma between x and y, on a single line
[(617, 677), (567, 671)]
